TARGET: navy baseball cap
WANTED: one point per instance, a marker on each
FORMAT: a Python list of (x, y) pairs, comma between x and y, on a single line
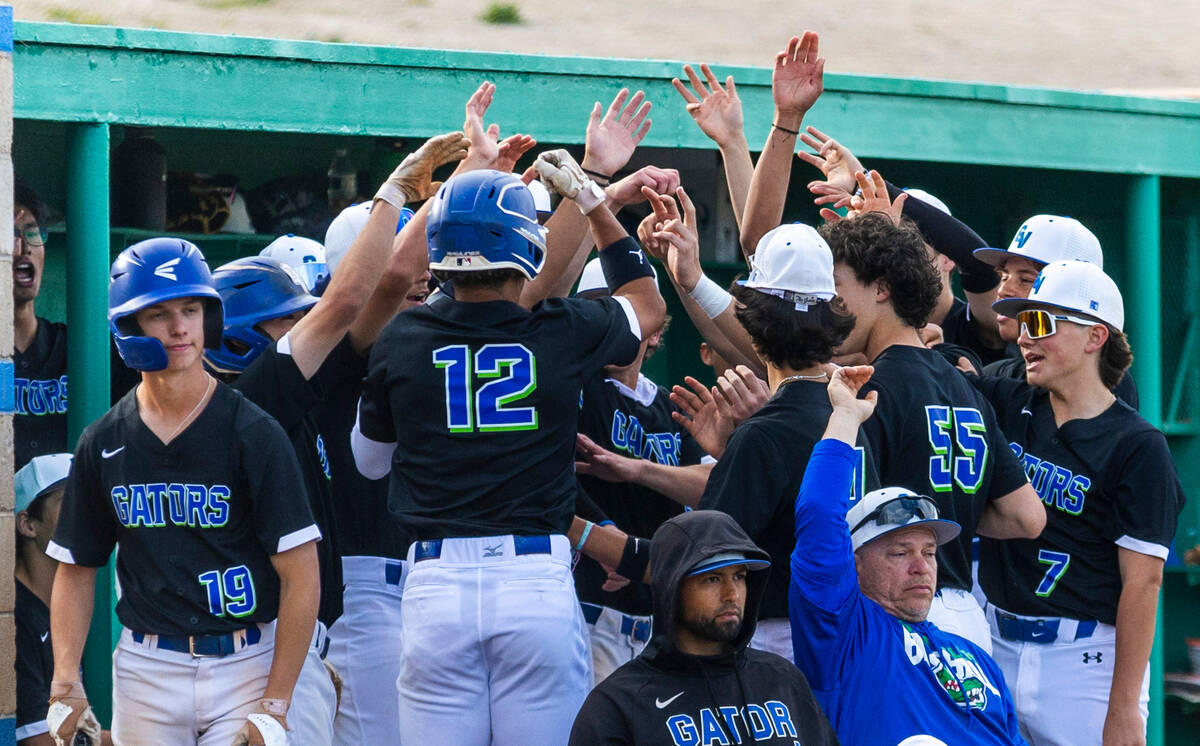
[(725, 559)]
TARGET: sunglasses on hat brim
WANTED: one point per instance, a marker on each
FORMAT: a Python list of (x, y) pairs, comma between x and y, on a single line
[(1039, 323), (900, 511)]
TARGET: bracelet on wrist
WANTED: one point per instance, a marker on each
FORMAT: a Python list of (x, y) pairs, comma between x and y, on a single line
[(598, 177), (587, 530), (785, 129), (711, 297)]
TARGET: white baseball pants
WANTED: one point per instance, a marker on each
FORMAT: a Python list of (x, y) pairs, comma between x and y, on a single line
[(494, 648), (957, 611), (365, 649)]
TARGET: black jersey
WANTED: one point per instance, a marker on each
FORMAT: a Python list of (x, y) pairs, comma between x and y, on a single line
[(483, 402), (638, 424), (958, 328), (935, 434), (40, 394), (757, 479), (1014, 367), (197, 519), (364, 525), (35, 662), (275, 383), (1107, 482)]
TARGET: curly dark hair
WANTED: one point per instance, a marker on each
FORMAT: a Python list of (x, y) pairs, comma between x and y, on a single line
[(875, 248), (784, 336)]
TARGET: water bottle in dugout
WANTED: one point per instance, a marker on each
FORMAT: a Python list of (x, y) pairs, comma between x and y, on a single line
[(343, 182)]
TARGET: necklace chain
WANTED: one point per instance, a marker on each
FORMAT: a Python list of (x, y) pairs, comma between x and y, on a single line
[(817, 377), (186, 420)]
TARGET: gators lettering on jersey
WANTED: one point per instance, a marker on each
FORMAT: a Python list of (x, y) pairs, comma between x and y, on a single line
[(935, 434), (757, 478), (482, 400), (1107, 482), (40, 394), (637, 424), (275, 383), (197, 519)]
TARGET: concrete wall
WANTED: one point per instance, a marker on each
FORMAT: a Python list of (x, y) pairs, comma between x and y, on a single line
[(8, 633)]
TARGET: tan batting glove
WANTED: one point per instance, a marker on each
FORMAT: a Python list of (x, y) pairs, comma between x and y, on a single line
[(560, 173), (412, 179), (69, 713), (266, 726)]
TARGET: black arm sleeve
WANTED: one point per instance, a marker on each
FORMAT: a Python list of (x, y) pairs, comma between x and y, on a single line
[(953, 238)]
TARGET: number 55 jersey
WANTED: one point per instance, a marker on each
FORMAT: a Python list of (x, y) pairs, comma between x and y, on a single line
[(197, 520), (936, 434), (482, 400)]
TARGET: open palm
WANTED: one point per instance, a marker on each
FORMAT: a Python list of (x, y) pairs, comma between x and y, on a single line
[(798, 78)]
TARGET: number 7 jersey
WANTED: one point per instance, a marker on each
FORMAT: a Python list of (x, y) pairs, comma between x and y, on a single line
[(197, 519), (935, 434), (1107, 482), (482, 402)]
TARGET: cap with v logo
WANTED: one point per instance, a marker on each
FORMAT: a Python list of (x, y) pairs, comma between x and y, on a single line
[(1048, 238)]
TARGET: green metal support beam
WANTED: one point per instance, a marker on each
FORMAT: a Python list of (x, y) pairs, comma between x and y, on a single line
[(160, 78), (1143, 308), (87, 356)]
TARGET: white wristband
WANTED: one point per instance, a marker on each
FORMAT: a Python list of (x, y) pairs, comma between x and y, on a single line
[(391, 194), (711, 297), (590, 196)]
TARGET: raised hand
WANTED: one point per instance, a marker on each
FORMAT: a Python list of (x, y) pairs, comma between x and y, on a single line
[(413, 177), (717, 110), (741, 394), (681, 237), (560, 173), (844, 385), (645, 235), (612, 139), (511, 149), (874, 197), (835, 161), (700, 415), (628, 191), (484, 149), (798, 78)]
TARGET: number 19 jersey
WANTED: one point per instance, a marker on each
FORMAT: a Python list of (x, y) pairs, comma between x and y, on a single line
[(197, 519), (935, 434), (482, 400)]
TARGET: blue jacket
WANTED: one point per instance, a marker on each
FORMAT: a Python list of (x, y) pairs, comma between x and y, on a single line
[(878, 678)]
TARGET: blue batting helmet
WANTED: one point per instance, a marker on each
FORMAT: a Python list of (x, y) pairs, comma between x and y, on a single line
[(484, 220), (254, 289), (150, 272)]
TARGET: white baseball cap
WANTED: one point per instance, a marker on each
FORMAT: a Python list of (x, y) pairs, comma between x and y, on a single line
[(41, 475), (346, 227), (927, 198), (890, 509), (591, 280), (541, 198), (1049, 238), (793, 262), (304, 255), (1080, 287)]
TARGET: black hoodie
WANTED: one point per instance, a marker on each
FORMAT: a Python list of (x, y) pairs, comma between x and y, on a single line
[(665, 696)]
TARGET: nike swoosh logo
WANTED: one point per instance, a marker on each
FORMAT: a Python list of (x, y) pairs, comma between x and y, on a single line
[(661, 704), (109, 454), (1025, 410), (45, 636)]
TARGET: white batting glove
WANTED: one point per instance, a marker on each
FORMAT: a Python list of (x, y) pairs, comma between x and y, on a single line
[(560, 173), (69, 713)]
